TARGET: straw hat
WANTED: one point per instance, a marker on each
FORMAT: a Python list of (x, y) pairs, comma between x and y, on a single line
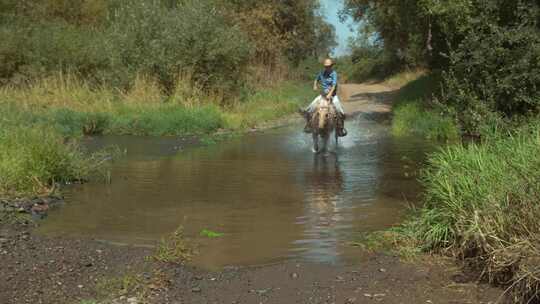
[(328, 62)]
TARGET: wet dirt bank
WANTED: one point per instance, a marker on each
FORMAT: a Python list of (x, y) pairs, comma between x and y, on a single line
[(37, 269)]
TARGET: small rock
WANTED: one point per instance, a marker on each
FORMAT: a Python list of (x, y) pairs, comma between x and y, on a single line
[(382, 270), (133, 300), (294, 275), (368, 295), (40, 208), (196, 289), (80, 286), (198, 278), (350, 300), (3, 240), (379, 295)]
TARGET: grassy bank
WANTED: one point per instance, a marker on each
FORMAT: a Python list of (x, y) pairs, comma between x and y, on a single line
[(414, 114), (481, 204), (74, 108), (33, 160), (40, 123)]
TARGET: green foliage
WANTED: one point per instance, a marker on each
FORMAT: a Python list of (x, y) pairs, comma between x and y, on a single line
[(401, 26), (489, 51), (126, 284), (210, 233), (166, 120), (366, 62), (414, 116), (267, 105), (481, 202), (174, 248), (32, 160), (112, 41), (495, 71), (191, 38)]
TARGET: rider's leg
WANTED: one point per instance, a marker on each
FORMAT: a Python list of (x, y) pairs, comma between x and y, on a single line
[(341, 131), (337, 104), (313, 104)]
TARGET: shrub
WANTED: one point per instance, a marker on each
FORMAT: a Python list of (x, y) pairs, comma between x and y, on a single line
[(32, 160), (138, 37), (193, 37)]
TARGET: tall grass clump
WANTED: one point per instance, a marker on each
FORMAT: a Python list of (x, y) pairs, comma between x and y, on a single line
[(267, 104), (482, 204), (414, 115), (33, 160)]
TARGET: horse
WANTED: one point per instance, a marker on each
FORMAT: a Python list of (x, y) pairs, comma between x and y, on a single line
[(323, 123)]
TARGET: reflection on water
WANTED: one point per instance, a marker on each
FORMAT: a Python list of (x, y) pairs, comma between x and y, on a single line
[(269, 195)]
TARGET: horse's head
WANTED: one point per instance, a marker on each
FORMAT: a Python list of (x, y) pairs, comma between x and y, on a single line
[(324, 114)]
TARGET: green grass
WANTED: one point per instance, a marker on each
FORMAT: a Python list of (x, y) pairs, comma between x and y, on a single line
[(33, 160), (74, 108), (481, 204), (40, 122), (413, 116), (174, 248), (267, 105)]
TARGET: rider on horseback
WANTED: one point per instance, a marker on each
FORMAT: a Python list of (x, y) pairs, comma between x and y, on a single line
[(328, 80)]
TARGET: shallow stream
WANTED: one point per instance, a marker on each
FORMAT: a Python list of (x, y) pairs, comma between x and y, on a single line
[(269, 195)]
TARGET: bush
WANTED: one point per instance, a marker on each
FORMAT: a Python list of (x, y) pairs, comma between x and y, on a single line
[(139, 37), (32, 160), (33, 50), (496, 68), (193, 37)]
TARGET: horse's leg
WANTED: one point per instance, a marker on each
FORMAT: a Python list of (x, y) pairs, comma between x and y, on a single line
[(315, 148), (336, 139), (325, 141)]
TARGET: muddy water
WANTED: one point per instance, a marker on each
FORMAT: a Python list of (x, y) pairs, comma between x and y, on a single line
[(266, 192)]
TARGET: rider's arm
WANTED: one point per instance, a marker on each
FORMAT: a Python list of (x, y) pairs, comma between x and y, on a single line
[(334, 85), (331, 92), (316, 82)]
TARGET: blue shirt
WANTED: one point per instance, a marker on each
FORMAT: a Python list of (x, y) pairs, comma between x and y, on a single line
[(327, 81)]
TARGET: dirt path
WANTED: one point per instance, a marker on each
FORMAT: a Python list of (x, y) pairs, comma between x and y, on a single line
[(372, 99), (37, 269)]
